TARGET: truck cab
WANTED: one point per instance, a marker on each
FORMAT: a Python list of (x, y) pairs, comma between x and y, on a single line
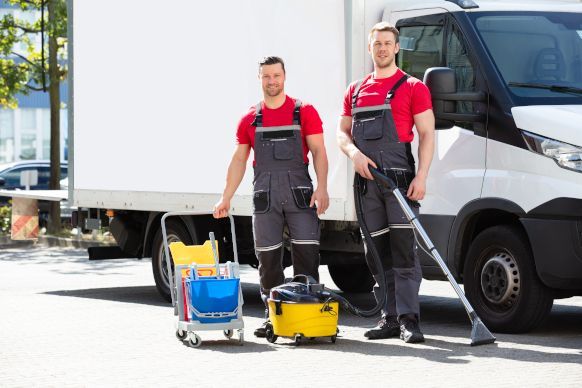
[(504, 194)]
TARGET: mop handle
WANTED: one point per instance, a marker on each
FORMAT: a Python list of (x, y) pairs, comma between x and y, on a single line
[(214, 253)]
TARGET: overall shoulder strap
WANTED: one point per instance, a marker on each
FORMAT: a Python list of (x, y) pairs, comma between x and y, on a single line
[(396, 86), (258, 122), (356, 92), (297, 113)]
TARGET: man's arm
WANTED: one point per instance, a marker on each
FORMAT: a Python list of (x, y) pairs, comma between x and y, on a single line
[(316, 145), (346, 144), (425, 127), (235, 174)]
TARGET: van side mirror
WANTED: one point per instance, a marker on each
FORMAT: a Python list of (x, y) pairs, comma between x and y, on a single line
[(443, 88), (2, 182)]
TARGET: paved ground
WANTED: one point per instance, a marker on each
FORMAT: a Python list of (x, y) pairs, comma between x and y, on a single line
[(65, 321)]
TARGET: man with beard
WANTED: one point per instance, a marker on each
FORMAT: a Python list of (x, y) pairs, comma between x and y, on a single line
[(376, 129), (281, 130)]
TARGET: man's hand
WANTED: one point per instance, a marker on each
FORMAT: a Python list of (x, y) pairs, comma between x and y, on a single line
[(417, 188), (361, 163), (322, 198), (221, 208)]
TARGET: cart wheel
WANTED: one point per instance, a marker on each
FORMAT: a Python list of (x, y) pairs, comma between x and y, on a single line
[(228, 333), (333, 338), (298, 339), (181, 334), (194, 341), (270, 334), (241, 337)]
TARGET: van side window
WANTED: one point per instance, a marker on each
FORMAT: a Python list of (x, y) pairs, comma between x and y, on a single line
[(421, 47), (457, 58)]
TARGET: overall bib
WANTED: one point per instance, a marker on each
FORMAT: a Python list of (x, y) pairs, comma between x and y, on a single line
[(282, 193), (374, 133)]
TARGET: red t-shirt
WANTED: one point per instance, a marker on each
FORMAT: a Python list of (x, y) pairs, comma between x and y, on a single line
[(310, 122), (411, 98)]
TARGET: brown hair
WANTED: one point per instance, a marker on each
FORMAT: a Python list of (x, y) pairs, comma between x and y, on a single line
[(383, 26), (272, 60)]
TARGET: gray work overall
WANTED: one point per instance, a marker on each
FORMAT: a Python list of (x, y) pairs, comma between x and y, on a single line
[(374, 133), (282, 193)]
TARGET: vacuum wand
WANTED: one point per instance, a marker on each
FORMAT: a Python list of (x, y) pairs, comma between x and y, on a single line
[(479, 334)]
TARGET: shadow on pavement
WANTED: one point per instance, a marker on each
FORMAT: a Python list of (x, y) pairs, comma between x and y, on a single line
[(147, 295), (441, 316)]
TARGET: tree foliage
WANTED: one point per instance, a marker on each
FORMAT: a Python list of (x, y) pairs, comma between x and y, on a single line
[(23, 58)]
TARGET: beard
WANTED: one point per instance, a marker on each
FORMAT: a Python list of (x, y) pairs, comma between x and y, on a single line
[(382, 63), (273, 91)]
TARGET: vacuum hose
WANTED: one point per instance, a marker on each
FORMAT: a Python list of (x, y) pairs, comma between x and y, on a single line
[(344, 303)]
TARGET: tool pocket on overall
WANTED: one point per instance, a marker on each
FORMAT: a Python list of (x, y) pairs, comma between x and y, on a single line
[(262, 193), (283, 143), (301, 188), (371, 125)]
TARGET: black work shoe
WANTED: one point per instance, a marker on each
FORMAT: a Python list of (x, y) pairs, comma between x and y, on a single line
[(261, 332), (387, 327), (409, 330)]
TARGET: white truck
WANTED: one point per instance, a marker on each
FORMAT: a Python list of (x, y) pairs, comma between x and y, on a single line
[(156, 96)]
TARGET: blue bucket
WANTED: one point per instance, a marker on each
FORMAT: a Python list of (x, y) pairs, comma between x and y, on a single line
[(212, 295)]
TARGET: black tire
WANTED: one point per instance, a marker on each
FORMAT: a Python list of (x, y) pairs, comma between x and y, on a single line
[(176, 232), (501, 281), (352, 277)]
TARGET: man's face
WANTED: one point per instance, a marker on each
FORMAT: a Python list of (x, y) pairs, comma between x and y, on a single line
[(383, 48), (272, 79)]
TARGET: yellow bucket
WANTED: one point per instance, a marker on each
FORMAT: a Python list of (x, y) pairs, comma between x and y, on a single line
[(291, 319)]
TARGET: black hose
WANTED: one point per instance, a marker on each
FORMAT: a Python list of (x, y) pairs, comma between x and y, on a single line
[(344, 303)]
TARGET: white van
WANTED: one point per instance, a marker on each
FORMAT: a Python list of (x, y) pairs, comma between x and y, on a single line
[(504, 200)]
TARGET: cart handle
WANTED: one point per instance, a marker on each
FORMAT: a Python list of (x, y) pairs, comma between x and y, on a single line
[(167, 248)]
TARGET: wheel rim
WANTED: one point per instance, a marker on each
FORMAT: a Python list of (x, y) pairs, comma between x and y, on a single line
[(163, 267), (500, 281)]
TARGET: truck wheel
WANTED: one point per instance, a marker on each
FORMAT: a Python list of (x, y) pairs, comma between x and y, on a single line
[(501, 281), (352, 277), (176, 232)]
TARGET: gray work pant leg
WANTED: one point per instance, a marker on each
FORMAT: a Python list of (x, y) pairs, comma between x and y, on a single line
[(405, 262), (303, 227), (268, 236), (376, 219)]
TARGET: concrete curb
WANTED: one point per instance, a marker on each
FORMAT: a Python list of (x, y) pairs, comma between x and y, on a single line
[(52, 241)]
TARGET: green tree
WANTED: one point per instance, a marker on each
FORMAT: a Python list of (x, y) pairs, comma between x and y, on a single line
[(26, 65)]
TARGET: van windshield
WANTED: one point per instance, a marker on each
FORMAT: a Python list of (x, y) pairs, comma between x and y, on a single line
[(538, 54)]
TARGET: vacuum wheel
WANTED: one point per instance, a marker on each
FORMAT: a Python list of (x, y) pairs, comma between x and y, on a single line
[(298, 339), (270, 333), (333, 338)]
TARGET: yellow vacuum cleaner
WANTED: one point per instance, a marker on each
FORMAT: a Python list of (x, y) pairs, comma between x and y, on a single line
[(301, 310)]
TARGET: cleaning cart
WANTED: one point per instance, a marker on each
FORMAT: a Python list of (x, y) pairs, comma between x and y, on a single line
[(206, 295)]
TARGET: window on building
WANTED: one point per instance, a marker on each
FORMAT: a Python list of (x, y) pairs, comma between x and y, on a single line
[(6, 135), (28, 134)]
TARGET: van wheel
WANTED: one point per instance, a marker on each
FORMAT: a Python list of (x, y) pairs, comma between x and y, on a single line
[(501, 281), (352, 277), (176, 232)]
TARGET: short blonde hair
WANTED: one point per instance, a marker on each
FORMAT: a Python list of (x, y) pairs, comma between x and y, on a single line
[(383, 26)]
